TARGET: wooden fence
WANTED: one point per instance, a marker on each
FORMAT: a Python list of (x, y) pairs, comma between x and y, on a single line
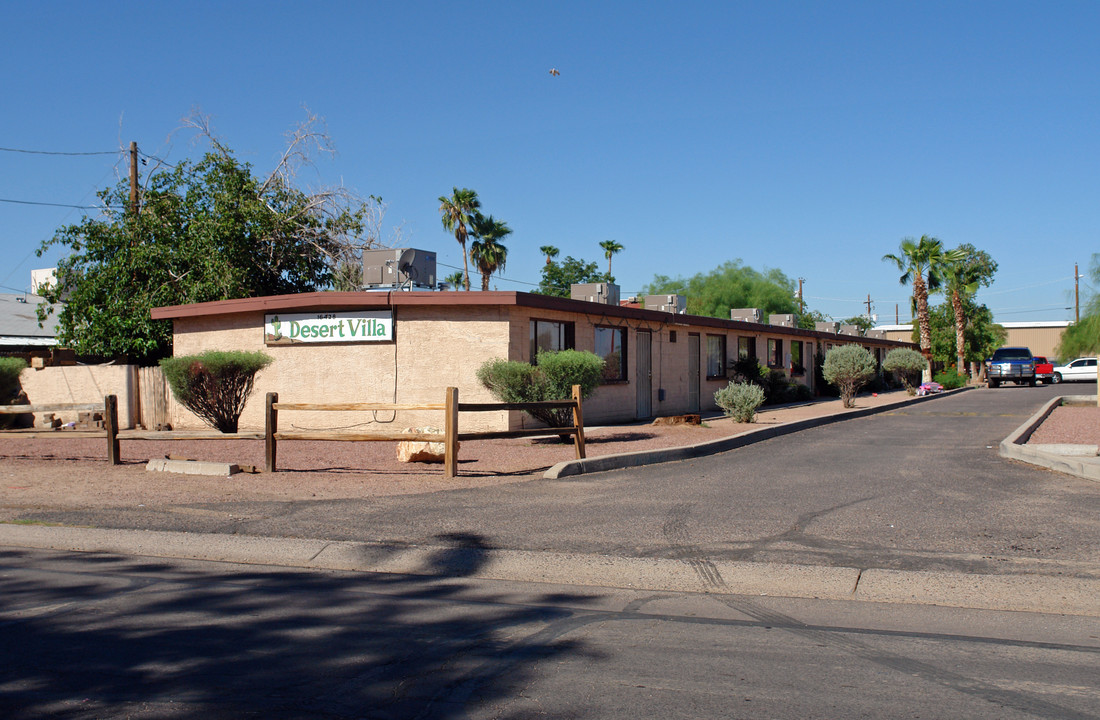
[(109, 408), (450, 437)]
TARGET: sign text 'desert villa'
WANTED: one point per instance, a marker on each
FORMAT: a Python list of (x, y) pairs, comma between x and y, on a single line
[(341, 327)]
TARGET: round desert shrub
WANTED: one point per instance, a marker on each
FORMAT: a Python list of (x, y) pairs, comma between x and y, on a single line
[(214, 385), (849, 367), (740, 401), (907, 365)]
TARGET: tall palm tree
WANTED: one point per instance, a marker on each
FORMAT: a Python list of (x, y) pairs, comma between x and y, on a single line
[(610, 247), (454, 279), (921, 264), (961, 280), (486, 251), (457, 212), (549, 251)]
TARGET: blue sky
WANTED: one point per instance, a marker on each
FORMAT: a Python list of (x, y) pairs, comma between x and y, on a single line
[(805, 136)]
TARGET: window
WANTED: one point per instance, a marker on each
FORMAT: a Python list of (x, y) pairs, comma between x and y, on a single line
[(550, 335), (716, 356), (797, 368), (611, 346), (775, 353), (746, 347)]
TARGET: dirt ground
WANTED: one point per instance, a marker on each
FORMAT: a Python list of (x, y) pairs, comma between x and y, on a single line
[(72, 472)]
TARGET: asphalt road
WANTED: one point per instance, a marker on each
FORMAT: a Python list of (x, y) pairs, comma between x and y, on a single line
[(920, 488), (105, 636)]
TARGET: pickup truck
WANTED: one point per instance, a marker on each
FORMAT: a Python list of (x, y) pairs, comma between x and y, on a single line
[(1044, 371), (1010, 363)]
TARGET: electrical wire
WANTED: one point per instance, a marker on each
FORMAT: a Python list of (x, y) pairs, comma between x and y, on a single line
[(71, 154), (49, 204)]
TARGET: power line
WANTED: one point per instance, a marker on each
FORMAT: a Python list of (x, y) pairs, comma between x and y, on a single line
[(49, 204), (50, 152)]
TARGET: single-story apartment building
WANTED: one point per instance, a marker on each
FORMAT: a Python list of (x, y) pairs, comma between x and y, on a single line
[(408, 346)]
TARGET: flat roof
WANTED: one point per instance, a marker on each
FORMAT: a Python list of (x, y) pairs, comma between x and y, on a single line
[(330, 301)]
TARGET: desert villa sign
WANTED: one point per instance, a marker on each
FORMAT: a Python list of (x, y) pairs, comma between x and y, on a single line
[(337, 327)]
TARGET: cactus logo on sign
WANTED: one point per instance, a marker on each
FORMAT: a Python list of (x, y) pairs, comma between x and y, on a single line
[(341, 327)]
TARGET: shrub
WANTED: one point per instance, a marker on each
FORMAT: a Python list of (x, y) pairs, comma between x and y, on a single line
[(906, 365), (951, 379), (748, 370), (740, 401), (214, 385), (552, 379), (849, 367), (10, 368)]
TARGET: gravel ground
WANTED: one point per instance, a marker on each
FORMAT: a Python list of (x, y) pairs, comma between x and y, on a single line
[(72, 472)]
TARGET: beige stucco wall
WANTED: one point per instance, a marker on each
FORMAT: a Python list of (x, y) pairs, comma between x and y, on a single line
[(83, 384), (435, 347)]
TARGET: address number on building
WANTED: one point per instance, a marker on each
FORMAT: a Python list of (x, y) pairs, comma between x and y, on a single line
[(340, 327)]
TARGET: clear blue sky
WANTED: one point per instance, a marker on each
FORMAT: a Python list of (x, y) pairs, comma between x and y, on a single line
[(805, 136)]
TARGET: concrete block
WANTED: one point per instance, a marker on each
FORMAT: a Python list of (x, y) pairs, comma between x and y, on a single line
[(192, 467)]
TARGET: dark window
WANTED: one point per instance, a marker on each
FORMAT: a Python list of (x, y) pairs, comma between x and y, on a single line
[(611, 346), (746, 347), (716, 356), (797, 368), (550, 335), (775, 353)]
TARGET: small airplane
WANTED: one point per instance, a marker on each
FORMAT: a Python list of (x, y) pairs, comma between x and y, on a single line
[(554, 72)]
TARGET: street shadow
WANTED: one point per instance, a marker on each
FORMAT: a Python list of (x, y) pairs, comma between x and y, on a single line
[(102, 635)]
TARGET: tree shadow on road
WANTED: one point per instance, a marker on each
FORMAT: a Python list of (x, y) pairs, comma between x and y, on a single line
[(102, 635)]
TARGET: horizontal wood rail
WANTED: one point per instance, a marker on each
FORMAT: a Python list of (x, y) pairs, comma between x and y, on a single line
[(109, 408), (450, 436)]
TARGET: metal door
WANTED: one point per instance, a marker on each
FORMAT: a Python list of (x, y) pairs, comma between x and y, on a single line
[(644, 378), (693, 373)]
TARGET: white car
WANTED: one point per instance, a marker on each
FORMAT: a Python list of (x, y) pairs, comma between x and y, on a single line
[(1079, 369)]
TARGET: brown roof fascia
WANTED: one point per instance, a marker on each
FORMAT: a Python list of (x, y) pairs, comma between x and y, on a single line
[(334, 301)]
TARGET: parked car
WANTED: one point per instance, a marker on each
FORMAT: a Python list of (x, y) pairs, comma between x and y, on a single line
[(1044, 370), (1010, 363), (1079, 369)]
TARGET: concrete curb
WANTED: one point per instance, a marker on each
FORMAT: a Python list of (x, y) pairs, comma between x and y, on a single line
[(568, 468), (1072, 462), (1031, 593)]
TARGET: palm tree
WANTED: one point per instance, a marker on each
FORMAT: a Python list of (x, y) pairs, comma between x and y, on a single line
[(610, 247), (961, 280), (486, 251), (457, 212), (454, 279), (921, 264), (549, 251)]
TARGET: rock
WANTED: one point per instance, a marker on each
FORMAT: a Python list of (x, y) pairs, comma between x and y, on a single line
[(425, 452)]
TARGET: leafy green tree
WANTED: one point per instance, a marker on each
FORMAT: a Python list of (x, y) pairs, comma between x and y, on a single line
[(730, 285), (487, 251), (981, 336), (214, 385), (610, 247), (862, 322), (966, 269), (921, 264), (557, 277), (809, 318), (849, 367), (457, 213), (206, 230)]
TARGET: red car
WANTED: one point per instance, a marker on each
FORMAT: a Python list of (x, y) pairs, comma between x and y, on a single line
[(1044, 371)]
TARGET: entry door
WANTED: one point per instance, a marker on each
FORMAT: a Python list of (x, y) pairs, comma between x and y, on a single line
[(693, 373), (644, 341)]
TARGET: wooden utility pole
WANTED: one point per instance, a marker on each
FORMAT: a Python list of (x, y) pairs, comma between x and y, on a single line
[(1076, 294), (133, 178), (868, 304), (801, 304)]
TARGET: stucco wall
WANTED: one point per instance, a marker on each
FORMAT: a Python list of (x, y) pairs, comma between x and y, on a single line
[(435, 347), (83, 384)]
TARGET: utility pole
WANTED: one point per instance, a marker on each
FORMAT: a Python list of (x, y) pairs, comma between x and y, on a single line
[(133, 177), (868, 304), (801, 304), (1076, 294), (897, 319)]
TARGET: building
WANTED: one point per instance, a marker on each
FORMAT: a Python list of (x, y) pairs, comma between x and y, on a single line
[(19, 330), (1041, 337), (407, 347)]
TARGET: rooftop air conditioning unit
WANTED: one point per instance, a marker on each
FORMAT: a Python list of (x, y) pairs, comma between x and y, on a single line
[(784, 320), (849, 330), (877, 334), (829, 327), (676, 304), (755, 315), (603, 293), (404, 268)]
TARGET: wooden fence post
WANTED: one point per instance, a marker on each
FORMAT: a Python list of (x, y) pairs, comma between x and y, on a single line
[(110, 420), (450, 430), (271, 426), (578, 422)]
